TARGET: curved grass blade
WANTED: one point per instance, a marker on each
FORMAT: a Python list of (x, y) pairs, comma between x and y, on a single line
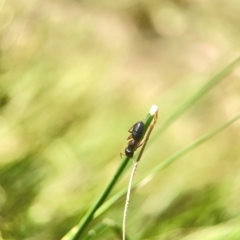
[(197, 96), (78, 230), (74, 233), (166, 163)]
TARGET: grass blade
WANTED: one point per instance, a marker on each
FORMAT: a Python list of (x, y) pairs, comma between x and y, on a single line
[(198, 95), (166, 163), (77, 231)]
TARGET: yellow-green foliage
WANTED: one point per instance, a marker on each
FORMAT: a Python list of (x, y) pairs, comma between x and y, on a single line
[(76, 75)]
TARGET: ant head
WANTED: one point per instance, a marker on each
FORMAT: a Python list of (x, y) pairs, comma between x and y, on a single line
[(129, 152)]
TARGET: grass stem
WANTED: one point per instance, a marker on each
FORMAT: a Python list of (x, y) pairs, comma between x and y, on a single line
[(78, 230)]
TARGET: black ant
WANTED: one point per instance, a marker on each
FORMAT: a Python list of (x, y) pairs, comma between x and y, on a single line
[(137, 133)]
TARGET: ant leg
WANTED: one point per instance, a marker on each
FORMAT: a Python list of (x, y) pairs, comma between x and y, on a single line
[(140, 144), (155, 117), (130, 137), (130, 129), (121, 155)]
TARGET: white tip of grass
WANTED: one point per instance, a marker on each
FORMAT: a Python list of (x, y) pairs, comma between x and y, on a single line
[(153, 110)]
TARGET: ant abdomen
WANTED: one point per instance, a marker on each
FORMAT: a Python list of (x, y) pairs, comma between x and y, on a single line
[(129, 152), (138, 131)]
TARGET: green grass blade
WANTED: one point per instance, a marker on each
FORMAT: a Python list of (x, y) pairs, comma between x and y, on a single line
[(166, 163), (106, 224), (95, 232), (192, 146), (198, 95), (78, 230)]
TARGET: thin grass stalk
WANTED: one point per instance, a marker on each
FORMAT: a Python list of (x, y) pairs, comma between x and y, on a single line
[(191, 146), (78, 230), (134, 170), (197, 96), (167, 162), (127, 200)]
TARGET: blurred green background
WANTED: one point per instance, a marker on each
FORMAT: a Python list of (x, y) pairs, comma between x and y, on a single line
[(76, 75)]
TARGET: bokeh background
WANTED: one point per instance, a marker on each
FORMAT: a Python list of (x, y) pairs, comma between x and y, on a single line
[(76, 75)]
